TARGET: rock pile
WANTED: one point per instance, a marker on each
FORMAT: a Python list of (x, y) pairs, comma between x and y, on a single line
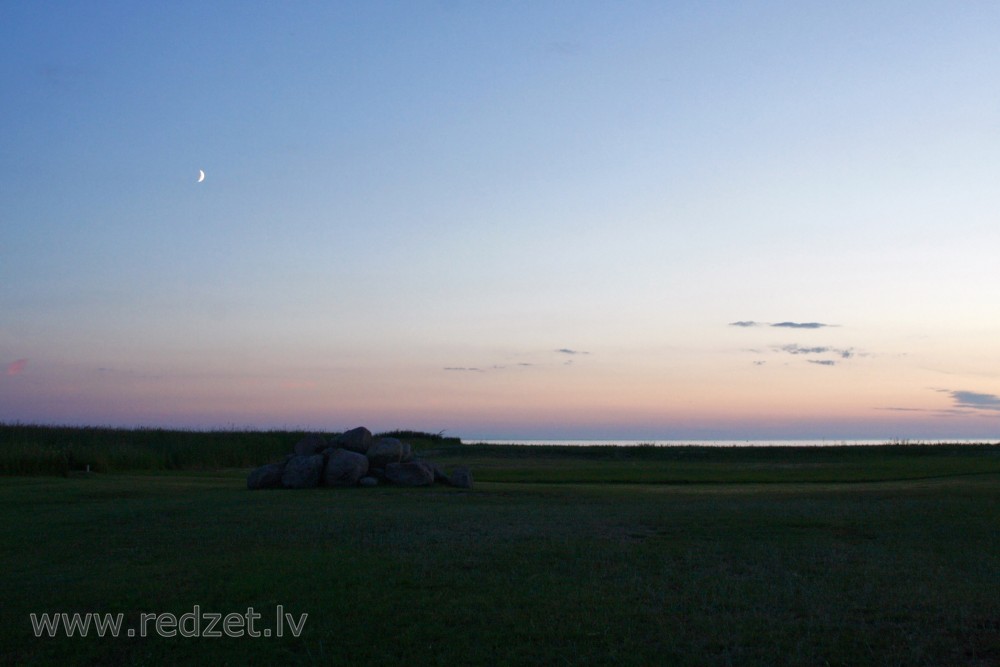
[(353, 458)]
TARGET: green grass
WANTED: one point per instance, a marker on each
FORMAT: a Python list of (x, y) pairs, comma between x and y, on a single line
[(874, 556), (721, 465)]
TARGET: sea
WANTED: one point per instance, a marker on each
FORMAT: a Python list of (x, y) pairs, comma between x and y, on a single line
[(729, 443)]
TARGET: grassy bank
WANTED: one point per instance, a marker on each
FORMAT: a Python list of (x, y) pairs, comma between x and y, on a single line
[(55, 450), (721, 465), (874, 556), (59, 450)]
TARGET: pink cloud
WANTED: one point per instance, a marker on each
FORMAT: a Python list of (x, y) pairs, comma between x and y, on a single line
[(17, 367)]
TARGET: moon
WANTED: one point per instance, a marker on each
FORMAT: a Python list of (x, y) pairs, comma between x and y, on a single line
[(201, 175)]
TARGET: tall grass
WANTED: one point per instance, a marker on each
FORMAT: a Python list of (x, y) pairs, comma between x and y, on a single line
[(28, 449), (59, 450)]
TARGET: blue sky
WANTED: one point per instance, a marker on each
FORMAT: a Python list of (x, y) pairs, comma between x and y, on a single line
[(503, 219)]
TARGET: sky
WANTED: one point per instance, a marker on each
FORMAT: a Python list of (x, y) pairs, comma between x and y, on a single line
[(669, 220)]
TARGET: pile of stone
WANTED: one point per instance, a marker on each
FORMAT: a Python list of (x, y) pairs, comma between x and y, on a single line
[(353, 458)]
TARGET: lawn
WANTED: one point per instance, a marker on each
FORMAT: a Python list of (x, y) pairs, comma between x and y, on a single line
[(874, 556)]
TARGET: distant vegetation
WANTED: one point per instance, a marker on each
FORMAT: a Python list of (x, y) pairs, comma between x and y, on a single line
[(27, 449), (421, 437), (64, 450)]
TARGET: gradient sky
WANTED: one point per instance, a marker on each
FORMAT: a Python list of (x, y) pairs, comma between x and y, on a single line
[(519, 219)]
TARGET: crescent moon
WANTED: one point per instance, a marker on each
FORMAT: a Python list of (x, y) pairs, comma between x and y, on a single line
[(201, 175)]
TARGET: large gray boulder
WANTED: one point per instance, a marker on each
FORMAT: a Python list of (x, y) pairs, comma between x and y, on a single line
[(314, 443), (344, 467), (409, 473), (354, 459), (265, 477), (357, 440), (388, 450), (461, 477), (302, 472), (439, 474)]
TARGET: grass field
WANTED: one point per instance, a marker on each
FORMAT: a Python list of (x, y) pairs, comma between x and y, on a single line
[(688, 556)]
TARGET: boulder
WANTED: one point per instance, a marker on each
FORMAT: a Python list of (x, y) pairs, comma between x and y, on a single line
[(409, 473), (388, 450), (344, 467), (439, 474), (357, 440), (354, 458), (265, 477), (302, 472), (313, 443), (461, 477)]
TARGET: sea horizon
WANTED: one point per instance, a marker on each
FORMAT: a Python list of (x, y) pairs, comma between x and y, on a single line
[(723, 442)]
